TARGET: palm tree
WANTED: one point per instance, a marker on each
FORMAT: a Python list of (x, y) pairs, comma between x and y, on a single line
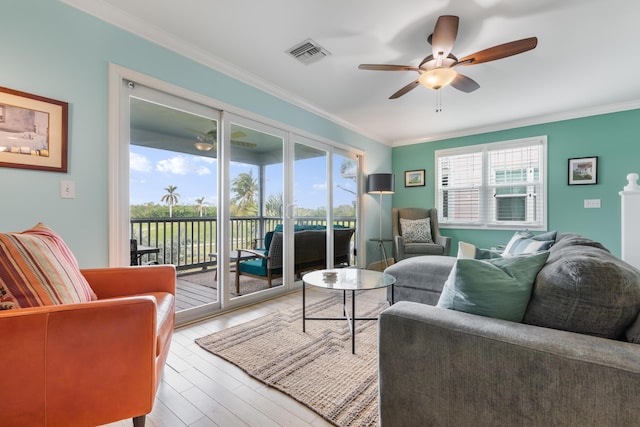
[(201, 206), (348, 169), (245, 188), (171, 198), (273, 207)]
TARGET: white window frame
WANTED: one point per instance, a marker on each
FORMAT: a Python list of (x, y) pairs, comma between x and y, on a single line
[(537, 193)]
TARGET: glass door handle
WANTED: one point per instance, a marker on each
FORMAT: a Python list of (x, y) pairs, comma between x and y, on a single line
[(290, 210)]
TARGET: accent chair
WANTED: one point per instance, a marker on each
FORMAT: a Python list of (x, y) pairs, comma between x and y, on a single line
[(416, 233)]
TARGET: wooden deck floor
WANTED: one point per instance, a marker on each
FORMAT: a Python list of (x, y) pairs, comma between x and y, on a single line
[(192, 295), (198, 288)]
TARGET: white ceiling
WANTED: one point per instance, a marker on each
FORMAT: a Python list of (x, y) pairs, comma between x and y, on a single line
[(586, 61)]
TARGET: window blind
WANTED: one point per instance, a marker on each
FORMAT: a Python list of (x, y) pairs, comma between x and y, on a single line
[(493, 185)]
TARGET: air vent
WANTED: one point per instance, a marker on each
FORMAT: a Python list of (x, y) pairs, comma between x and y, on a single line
[(308, 51)]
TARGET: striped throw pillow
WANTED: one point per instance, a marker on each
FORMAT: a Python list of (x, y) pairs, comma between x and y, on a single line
[(37, 268), (526, 243)]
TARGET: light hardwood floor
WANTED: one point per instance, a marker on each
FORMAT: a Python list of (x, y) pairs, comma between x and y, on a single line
[(202, 390)]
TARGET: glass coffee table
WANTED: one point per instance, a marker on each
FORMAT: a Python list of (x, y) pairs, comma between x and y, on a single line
[(346, 279)]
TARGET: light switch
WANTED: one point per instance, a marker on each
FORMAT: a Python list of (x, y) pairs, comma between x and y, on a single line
[(591, 203), (67, 190)]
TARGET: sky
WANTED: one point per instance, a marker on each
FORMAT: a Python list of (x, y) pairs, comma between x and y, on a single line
[(152, 170)]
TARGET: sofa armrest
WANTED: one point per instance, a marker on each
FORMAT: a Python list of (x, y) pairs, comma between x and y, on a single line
[(124, 281), (77, 359), (442, 367)]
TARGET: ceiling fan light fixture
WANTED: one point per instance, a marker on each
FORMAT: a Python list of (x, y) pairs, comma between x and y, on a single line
[(437, 78), (204, 146)]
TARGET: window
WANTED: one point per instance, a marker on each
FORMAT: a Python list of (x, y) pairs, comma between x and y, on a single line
[(502, 184)]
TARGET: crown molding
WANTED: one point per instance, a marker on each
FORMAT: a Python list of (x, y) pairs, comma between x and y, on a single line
[(531, 121)]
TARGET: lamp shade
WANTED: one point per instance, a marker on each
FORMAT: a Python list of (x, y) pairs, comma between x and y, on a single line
[(437, 78), (381, 183)]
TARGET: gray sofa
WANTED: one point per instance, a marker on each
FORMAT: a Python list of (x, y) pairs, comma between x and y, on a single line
[(574, 361)]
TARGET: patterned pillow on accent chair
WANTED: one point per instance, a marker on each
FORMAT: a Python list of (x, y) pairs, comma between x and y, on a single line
[(416, 230)]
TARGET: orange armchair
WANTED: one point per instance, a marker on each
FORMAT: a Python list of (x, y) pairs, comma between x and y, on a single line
[(90, 363)]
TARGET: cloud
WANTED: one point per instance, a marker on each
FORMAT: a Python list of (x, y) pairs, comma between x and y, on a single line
[(203, 170), (139, 163), (176, 165), (320, 187), (181, 165)]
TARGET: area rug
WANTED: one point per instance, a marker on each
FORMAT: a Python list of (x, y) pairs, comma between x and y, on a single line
[(316, 368)]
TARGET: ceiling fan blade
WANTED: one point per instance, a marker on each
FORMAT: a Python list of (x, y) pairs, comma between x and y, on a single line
[(405, 89), (444, 35), (500, 51), (387, 67), (464, 83)]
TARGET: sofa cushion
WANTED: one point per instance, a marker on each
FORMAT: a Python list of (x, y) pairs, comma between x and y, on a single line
[(498, 288), (416, 230), (424, 273), (524, 242), (585, 289), (37, 268), (422, 248), (256, 267)]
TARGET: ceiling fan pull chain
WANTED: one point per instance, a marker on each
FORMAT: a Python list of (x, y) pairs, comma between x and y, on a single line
[(438, 101)]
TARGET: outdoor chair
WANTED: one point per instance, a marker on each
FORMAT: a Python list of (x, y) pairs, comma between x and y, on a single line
[(309, 254)]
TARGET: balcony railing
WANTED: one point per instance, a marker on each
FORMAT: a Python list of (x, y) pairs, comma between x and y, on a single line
[(190, 243)]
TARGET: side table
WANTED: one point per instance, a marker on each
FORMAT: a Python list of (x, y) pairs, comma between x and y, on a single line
[(345, 279)]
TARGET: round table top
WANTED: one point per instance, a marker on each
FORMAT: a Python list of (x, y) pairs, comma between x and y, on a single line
[(348, 279)]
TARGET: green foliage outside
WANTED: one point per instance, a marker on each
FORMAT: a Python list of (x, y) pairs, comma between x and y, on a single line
[(154, 210), (192, 242)]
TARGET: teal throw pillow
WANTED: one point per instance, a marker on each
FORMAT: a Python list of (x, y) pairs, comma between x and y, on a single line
[(498, 288)]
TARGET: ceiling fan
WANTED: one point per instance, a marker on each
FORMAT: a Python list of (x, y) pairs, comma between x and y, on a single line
[(438, 69), (206, 141)]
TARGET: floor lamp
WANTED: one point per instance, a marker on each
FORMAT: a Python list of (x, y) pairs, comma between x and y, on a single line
[(381, 183)]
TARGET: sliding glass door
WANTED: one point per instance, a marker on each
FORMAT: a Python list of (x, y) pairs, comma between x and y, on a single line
[(173, 193), (254, 171), (344, 197), (325, 197), (220, 196)]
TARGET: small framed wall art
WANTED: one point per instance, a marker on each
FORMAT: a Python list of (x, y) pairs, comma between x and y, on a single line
[(33, 131), (583, 170), (414, 178)]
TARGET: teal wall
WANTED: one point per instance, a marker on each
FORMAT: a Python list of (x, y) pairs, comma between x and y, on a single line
[(612, 137), (64, 54)]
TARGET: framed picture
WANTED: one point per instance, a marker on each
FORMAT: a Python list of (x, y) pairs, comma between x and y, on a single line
[(33, 131), (414, 178), (583, 170)]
